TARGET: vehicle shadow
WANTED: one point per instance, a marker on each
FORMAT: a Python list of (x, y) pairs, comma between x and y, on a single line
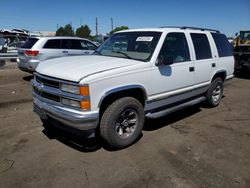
[(76, 142), (72, 140), (155, 124), (28, 78)]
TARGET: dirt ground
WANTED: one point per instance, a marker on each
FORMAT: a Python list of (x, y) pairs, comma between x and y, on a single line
[(195, 147)]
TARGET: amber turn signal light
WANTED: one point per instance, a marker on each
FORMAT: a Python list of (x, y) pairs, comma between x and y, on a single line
[(84, 90)]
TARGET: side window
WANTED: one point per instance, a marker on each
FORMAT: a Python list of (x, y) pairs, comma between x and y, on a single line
[(52, 44), (201, 46), (223, 46), (65, 44), (175, 46), (87, 45), (75, 45)]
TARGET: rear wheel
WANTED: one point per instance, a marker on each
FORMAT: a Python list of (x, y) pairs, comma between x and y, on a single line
[(214, 93), (122, 122)]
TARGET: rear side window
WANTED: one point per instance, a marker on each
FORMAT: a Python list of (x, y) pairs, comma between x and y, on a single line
[(30, 42), (52, 44), (222, 44), (201, 46)]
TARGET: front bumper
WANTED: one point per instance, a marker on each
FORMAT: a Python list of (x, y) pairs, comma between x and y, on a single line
[(76, 119)]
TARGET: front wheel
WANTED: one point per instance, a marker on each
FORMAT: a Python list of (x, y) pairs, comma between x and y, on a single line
[(214, 93), (122, 122)]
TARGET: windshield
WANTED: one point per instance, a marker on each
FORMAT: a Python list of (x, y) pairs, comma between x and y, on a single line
[(131, 45), (245, 35)]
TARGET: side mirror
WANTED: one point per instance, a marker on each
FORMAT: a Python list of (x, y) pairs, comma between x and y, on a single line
[(164, 60)]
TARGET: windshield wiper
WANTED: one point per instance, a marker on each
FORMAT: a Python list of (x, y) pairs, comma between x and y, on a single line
[(123, 53)]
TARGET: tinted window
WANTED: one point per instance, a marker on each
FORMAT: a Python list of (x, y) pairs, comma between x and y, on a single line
[(29, 43), (222, 44), (72, 44), (176, 47), (87, 45), (201, 46), (53, 44), (75, 45), (65, 44)]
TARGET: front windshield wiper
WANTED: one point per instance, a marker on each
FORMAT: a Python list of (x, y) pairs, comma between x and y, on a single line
[(123, 53)]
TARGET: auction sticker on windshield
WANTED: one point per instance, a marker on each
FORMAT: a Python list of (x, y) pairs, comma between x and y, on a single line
[(145, 39)]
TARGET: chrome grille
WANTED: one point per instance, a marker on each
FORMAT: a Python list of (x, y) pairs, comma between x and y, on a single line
[(47, 82)]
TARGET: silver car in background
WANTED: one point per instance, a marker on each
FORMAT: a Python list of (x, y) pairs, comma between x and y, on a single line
[(37, 49)]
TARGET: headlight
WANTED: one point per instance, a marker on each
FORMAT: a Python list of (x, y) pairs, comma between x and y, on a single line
[(82, 90), (79, 90), (70, 88), (70, 102)]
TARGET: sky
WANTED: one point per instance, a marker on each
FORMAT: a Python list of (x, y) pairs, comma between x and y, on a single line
[(228, 16)]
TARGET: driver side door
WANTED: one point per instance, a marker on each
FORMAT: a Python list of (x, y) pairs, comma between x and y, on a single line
[(172, 83)]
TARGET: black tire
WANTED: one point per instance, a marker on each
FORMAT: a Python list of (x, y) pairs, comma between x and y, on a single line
[(215, 92), (122, 122)]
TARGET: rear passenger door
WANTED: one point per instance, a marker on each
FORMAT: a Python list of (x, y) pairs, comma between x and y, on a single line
[(203, 61), (73, 46), (51, 49), (78, 47)]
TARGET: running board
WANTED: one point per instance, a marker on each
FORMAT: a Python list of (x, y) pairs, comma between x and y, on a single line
[(175, 108)]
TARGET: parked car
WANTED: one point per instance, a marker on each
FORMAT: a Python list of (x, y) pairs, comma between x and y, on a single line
[(37, 49), (13, 47), (134, 74)]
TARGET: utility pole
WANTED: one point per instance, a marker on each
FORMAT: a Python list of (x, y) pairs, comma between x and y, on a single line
[(96, 26), (81, 21), (56, 26), (112, 26)]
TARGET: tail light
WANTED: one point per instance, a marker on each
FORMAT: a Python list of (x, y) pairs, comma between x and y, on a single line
[(31, 52)]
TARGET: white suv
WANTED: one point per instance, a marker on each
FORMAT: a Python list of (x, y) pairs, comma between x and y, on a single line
[(37, 49), (134, 74)]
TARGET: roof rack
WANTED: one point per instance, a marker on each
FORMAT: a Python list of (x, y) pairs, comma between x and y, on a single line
[(194, 28)]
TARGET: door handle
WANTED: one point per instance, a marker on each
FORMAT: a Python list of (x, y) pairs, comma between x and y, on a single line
[(191, 69), (213, 65), (86, 52), (65, 52)]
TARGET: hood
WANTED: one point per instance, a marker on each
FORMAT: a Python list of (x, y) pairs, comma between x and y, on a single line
[(75, 68)]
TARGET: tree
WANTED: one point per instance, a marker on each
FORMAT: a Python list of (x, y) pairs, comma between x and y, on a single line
[(60, 32), (67, 30), (83, 32), (118, 29)]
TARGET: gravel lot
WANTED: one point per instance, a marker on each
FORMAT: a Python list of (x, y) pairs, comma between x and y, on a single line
[(196, 147)]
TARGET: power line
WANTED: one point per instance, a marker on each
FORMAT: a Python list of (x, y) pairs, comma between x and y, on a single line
[(96, 26), (112, 25)]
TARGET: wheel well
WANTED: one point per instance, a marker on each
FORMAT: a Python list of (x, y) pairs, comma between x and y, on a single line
[(137, 93), (221, 75)]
